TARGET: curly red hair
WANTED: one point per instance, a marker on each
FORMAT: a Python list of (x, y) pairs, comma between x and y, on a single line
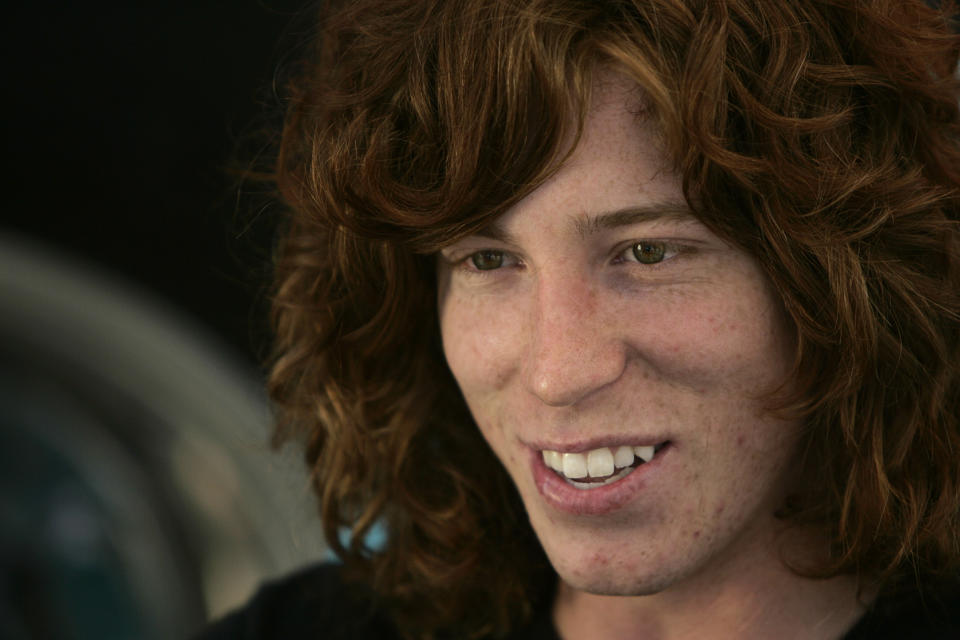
[(820, 136)]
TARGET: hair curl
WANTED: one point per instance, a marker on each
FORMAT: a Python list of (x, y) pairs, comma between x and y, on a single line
[(821, 136)]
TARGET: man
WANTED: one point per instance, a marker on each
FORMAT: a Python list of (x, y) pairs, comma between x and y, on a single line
[(624, 319)]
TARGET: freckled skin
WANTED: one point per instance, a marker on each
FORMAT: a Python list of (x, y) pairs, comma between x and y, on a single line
[(565, 343)]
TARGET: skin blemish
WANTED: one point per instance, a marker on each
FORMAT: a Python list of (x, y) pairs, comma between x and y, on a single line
[(600, 559)]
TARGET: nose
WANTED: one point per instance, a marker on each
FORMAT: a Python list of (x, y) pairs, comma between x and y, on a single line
[(574, 351)]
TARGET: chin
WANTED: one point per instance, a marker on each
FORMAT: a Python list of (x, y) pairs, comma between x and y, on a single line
[(606, 586), (615, 581), (610, 571)]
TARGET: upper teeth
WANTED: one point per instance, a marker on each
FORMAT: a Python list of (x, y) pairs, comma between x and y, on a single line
[(597, 463)]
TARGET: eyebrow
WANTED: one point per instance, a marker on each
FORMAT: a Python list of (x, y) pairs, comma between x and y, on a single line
[(592, 224)]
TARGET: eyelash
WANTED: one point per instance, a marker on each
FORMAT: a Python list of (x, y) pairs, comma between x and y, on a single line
[(623, 255)]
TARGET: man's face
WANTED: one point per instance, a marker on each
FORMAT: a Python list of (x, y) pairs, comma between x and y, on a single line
[(597, 316)]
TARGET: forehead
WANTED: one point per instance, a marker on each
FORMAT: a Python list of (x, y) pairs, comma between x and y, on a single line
[(618, 172)]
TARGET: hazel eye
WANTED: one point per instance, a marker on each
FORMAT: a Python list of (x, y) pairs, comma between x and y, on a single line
[(487, 260), (649, 252)]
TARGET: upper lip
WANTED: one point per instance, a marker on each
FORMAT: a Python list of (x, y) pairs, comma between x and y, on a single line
[(589, 444)]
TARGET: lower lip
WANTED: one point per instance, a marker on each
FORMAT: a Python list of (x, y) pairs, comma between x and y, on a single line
[(607, 498)]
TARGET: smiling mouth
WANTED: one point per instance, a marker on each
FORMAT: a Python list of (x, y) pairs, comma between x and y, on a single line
[(599, 467)]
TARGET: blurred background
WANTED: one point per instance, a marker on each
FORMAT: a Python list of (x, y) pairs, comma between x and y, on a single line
[(138, 496)]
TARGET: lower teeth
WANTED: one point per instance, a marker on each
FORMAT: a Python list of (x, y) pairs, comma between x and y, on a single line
[(580, 484)]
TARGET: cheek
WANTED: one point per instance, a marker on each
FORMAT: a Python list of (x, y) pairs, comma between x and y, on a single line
[(732, 339), (474, 354), (477, 342)]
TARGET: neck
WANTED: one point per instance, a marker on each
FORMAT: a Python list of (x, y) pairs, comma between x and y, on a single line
[(765, 600)]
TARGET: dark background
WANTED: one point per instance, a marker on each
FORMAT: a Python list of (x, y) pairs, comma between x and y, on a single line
[(124, 127)]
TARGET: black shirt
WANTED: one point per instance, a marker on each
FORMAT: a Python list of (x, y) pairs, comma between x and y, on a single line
[(315, 604)]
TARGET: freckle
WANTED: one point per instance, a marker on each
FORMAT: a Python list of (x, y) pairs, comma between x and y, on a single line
[(741, 440)]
